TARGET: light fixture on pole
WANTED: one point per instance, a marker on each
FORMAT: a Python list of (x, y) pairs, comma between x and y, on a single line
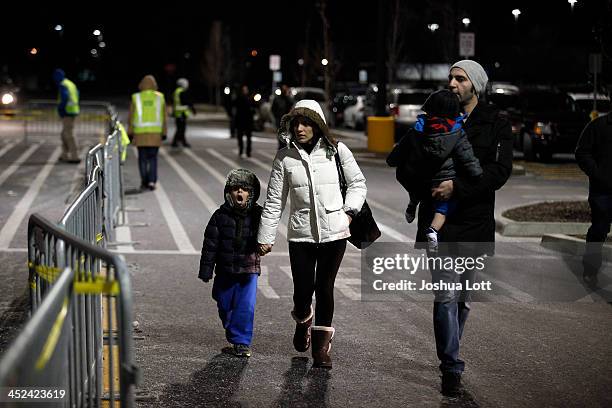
[(466, 22), (97, 33), (324, 62), (433, 27), (572, 3), (58, 27), (516, 13)]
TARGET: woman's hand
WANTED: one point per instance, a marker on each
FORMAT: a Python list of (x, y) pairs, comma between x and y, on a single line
[(444, 191), (350, 219), (264, 248)]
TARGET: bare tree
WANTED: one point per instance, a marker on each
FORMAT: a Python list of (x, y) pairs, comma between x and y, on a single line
[(328, 71), (396, 42), (212, 65)]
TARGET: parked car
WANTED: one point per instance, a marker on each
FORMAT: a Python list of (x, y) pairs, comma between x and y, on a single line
[(584, 101), (551, 122), (354, 114), (316, 94), (405, 105)]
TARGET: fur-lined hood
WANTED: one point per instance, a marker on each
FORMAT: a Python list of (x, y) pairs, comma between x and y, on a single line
[(310, 109), (246, 179)]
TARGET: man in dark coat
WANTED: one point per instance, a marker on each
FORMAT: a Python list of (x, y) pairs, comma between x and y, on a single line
[(281, 105), (473, 219), (244, 120), (594, 156)]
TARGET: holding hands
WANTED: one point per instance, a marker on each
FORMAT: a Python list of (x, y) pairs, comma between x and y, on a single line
[(263, 249)]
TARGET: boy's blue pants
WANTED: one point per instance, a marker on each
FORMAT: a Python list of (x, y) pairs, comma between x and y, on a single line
[(235, 296)]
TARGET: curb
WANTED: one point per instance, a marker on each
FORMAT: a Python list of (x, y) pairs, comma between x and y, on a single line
[(518, 170), (510, 228), (571, 245)]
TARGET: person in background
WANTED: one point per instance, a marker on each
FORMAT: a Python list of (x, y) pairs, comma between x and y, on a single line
[(244, 120), (147, 128), (594, 156), (182, 109), (281, 105), (68, 109)]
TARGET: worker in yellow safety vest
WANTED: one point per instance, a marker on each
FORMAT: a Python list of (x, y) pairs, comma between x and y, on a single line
[(147, 128), (182, 108), (68, 109)]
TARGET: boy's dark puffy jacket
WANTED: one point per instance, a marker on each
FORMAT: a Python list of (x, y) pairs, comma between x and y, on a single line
[(450, 150), (230, 238), (223, 250)]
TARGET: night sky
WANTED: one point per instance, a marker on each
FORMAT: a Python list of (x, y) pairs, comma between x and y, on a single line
[(548, 44)]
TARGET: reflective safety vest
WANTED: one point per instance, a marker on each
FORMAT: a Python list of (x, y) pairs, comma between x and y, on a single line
[(125, 141), (148, 112), (180, 110), (72, 105)]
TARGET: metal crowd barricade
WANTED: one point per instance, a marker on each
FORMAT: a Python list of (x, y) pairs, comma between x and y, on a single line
[(100, 358), (94, 157), (84, 217), (113, 189), (39, 356), (40, 119)]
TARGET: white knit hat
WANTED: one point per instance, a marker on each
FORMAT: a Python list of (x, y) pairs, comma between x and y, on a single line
[(475, 73), (312, 105)]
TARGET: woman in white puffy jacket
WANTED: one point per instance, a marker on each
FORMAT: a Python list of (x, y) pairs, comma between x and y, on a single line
[(318, 222)]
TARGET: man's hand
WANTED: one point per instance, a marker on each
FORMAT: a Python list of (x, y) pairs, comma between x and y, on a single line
[(350, 219), (264, 248), (444, 191)]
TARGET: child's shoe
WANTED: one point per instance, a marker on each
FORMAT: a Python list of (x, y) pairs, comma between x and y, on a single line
[(432, 239), (410, 212), (238, 350)]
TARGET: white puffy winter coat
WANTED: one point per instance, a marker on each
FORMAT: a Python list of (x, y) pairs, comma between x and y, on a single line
[(317, 212)]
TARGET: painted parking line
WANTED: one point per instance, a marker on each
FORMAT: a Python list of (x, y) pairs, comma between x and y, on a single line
[(172, 221), (6, 148), (263, 285), (23, 207), (202, 195), (20, 160)]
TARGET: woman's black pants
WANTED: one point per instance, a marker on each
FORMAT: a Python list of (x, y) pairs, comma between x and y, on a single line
[(314, 268)]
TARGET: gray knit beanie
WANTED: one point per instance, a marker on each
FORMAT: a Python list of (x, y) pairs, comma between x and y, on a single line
[(475, 73)]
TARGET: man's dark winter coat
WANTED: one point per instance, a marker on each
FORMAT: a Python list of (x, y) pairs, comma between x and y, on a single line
[(594, 154), (473, 220)]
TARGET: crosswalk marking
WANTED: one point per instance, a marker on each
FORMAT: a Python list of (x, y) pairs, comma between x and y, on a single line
[(202, 195), (10, 228), (6, 148), (264, 285), (20, 160), (174, 224)]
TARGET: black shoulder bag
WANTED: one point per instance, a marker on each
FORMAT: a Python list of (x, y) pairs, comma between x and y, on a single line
[(363, 228)]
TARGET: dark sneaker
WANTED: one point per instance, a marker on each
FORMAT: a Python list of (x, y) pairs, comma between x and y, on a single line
[(241, 350), (451, 384), (187, 145)]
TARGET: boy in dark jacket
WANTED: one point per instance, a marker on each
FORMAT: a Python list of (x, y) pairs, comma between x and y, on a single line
[(443, 144), (230, 248)]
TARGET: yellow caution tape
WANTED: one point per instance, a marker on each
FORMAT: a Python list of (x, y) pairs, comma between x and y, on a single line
[(100, 285), (99, 237), (84, 286), (53, 337)]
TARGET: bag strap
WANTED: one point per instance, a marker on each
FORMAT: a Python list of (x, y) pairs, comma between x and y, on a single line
[(341, 178)]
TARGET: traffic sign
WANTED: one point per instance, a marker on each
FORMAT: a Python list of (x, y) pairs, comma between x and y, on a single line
[(467, 44), (275, 62)]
